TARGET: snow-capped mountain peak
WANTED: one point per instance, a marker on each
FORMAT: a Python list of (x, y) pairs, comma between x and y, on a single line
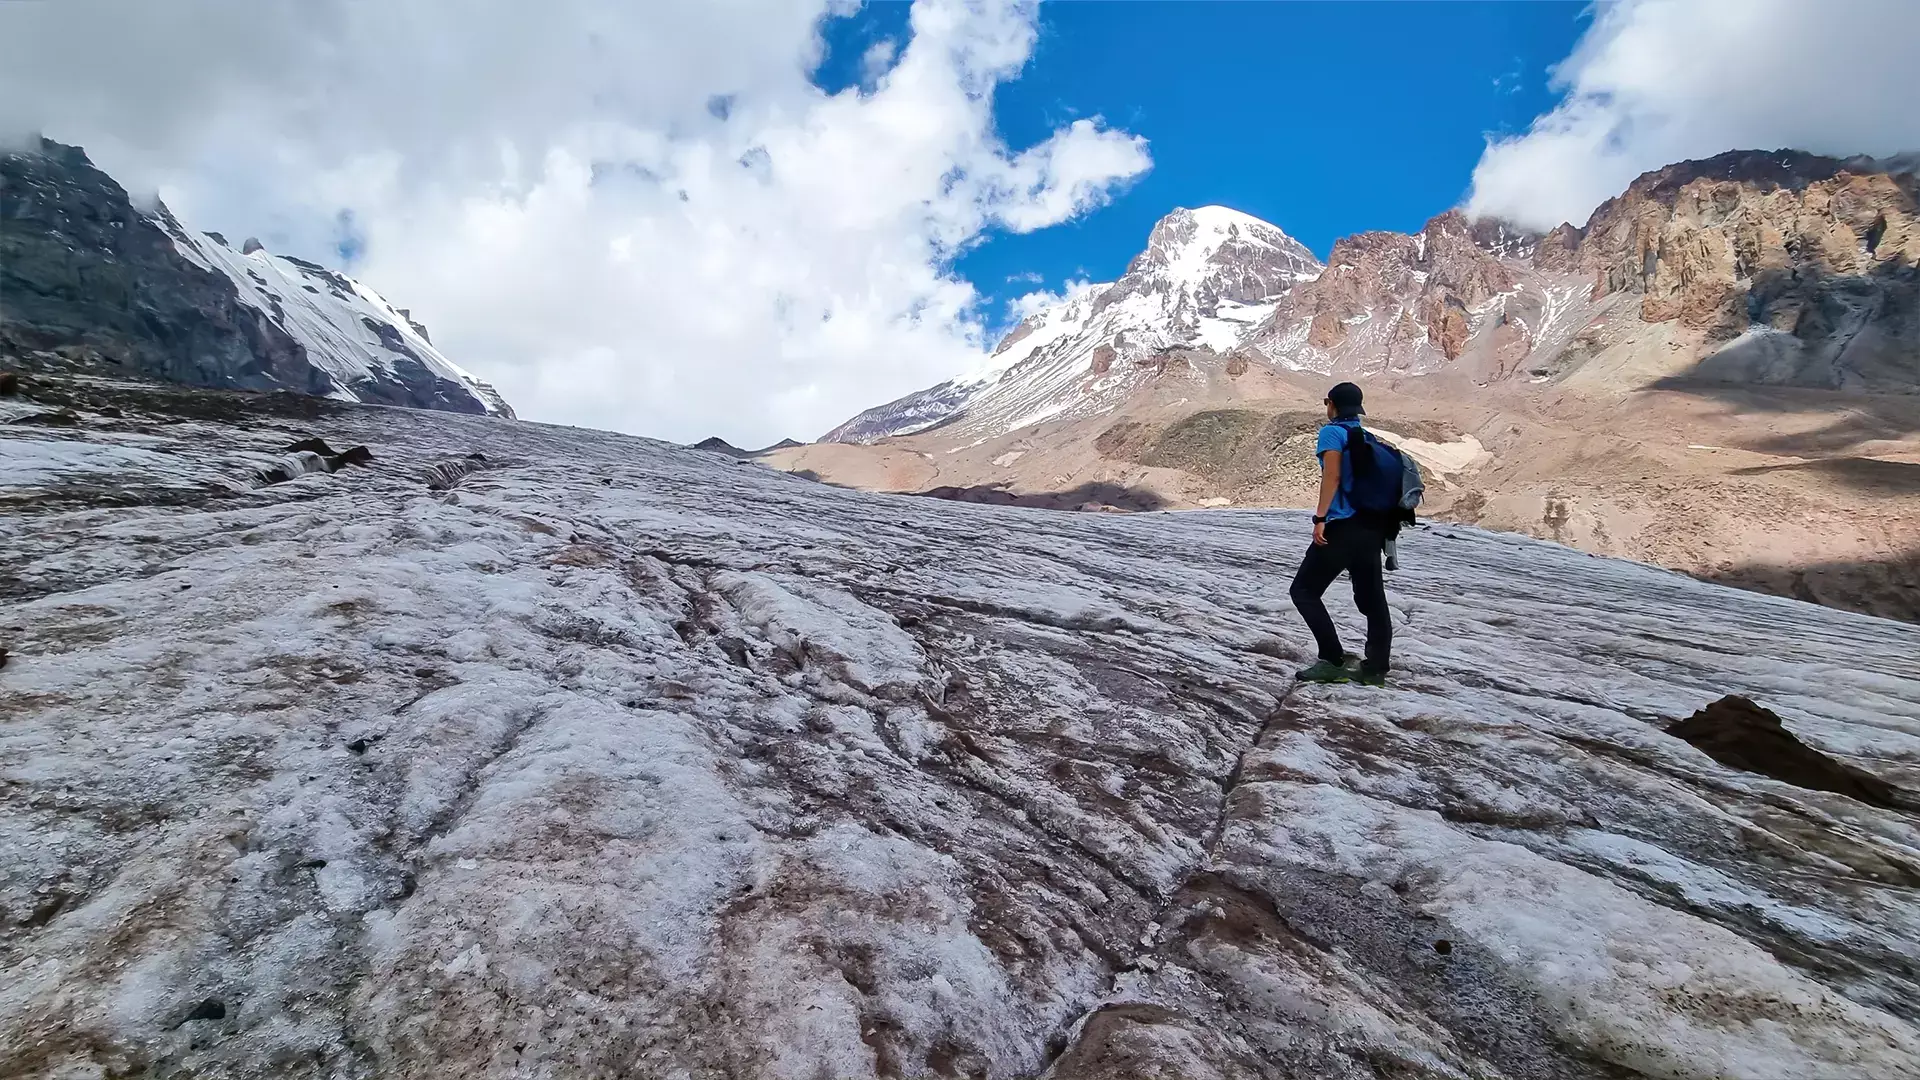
[(1198, 261), (1207, 278), (1189, 247)]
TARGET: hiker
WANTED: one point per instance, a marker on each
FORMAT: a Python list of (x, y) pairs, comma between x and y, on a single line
[(1352, 538)]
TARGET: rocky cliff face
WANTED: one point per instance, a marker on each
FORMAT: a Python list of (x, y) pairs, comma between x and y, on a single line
[(1780, 268), (917, 411), (1389, 302), (1792, 268), (86, 273), (79, 266)]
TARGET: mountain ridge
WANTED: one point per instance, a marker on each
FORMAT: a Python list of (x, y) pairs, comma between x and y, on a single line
[(88, 277), (1742, 243)]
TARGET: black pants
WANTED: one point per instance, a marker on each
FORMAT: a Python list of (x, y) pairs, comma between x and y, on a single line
[(1355, 548)]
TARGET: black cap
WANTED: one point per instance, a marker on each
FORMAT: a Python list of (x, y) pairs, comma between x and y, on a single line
[(1346, 400)]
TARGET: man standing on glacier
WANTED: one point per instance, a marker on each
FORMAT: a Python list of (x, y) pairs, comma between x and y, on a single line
[(1350, 533)]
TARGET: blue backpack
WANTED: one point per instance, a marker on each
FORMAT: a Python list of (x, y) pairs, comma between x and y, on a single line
[(1386, 484)]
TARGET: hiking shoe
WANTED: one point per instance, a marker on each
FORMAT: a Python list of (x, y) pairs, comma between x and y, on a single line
[(1370, 678), (1323, 672)]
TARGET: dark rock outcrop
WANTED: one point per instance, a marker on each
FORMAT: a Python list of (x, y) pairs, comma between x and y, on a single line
[(79, 265), (311, 456), (719, 445), (1740, 734)]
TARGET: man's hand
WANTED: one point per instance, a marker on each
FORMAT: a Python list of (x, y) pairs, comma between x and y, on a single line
[(1320, 533)]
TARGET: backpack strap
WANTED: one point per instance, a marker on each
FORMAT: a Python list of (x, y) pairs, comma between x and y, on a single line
[(1362, 462)]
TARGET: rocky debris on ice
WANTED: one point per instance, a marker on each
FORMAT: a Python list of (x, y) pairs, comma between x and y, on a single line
[(1088, 497), (1740, 734), (634, 761), (50, 418), (446, 475), (310, 456)]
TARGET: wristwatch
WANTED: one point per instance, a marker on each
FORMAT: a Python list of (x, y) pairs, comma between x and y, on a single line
[(1318, 520)]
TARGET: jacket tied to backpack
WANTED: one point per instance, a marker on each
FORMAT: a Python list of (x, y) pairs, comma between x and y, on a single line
[(1387, 486)]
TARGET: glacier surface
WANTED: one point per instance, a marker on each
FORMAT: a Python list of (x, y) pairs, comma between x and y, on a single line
[(593, 756)]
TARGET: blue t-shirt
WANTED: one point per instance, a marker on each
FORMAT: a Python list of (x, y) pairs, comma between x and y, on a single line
[(1333, 436)]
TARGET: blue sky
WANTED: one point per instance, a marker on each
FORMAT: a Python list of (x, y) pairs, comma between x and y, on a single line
[(1324, 118)]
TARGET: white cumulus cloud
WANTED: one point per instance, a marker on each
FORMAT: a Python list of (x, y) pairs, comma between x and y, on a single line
[(1659, 81), (1029, 304), (634, 216)]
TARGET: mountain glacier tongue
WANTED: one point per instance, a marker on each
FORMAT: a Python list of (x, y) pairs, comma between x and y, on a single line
[(608, 758), (1207, 279)]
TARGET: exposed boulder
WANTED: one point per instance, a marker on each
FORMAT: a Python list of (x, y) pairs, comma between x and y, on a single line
[(1740, 734)]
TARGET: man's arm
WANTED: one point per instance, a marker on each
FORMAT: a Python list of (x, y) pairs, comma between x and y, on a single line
[(1329, 486)]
